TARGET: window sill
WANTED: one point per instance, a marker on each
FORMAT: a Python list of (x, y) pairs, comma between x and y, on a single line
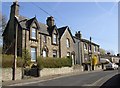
[(54, 44), (34, 39)]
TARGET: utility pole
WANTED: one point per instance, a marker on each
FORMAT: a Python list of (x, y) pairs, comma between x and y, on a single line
[(15, 51), (90, 54)]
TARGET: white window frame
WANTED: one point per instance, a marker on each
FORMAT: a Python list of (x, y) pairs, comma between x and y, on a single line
[(67, 43), (44, 53), (95, 48), (54, 38), (33, 30), (33, 51), (85, 46)]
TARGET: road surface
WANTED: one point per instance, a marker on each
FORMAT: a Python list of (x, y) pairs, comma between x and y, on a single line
[(88, 79)]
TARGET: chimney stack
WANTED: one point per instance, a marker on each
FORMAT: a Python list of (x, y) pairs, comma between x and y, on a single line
[(78, 35), (50, 21)]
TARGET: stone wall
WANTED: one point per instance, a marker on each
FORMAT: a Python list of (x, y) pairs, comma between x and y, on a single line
[(7, 74), (57, 71)]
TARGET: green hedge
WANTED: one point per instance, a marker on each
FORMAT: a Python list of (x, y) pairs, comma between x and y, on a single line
[(54, 62), (7, 61)]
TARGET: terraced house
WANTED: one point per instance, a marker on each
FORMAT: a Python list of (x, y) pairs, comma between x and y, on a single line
[(40, 39), (85, 50), (45, 40)]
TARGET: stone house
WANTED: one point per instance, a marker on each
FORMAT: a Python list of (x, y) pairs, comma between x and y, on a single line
[(45, 40), (85, 50), (66, 43)]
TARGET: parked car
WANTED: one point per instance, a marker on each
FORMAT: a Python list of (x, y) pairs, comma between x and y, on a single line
[(111, 66)]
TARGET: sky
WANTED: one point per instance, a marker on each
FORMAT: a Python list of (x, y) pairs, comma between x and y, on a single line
[(96, 19)]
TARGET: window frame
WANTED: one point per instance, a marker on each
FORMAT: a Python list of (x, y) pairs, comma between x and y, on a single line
[(54, 37), (85, 46), (68, 54), (95, 48), (68, 43), (45, 39), (55, 52), (35, 52)]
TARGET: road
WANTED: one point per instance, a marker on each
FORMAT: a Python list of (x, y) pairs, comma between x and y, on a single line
[(87, 79)]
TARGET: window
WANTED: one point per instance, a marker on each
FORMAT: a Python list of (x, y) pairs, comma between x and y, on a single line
[(44, 53), (33, 54), (68, 54), (33, 33), (68, 43), (95, 49), (85, 46), (44, 39), (90, 47), (54, 38), (54, 53)]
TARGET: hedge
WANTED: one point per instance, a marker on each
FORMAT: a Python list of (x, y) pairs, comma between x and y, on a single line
[(54, 62), (7, 61)]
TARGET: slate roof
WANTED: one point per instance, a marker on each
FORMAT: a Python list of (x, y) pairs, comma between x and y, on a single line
[(50, 30), (43, 28), (62, 30), (26, 22), (22, 20), (88, 41)]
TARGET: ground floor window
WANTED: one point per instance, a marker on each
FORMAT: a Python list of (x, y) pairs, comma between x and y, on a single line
[(54, 53), (44, 53), (68, 54), (33, 54)]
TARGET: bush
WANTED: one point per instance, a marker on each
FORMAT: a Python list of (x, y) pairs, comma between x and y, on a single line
[(54, 62), (7, 61)]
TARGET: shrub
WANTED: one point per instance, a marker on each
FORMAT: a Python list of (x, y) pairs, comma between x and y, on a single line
[(7, 61), (26, 57), (54, 62)]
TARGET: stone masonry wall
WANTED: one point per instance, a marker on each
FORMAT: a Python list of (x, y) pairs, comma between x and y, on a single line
[(7, 74)]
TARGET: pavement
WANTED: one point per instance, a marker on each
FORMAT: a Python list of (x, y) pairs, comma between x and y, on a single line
[(42, 79)]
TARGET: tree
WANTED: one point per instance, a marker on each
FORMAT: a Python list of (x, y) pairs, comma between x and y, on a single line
[(3, 22), (102, 51)]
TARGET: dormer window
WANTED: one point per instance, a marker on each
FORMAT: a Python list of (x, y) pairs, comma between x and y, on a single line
[(68, 43), (33, 33), (54, 38)]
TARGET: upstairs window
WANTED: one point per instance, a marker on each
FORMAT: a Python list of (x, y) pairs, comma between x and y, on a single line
[(95, 49), (68, 43), (90, 47), (44, 39), (85, 46), (33, 33), (54, 38)]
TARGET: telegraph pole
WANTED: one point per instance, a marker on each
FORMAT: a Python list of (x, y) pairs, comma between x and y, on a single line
[(90, 54), (15, 51)]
